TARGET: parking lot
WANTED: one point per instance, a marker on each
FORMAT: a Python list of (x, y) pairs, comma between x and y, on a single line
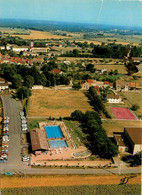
[(12, 109)]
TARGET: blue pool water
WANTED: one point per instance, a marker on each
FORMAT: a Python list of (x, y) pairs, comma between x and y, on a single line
[(53, 131), (58, 143)]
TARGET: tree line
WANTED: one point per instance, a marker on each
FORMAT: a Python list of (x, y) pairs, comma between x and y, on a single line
[(115, 51), (97, 102), (98, 142)]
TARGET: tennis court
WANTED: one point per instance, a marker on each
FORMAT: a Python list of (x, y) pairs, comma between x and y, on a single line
[(53, 131), (122, 113), (58, 144)]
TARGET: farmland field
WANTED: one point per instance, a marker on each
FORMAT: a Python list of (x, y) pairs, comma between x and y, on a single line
[(131, 189), (64, 180), (118, 126), (57, 103), (40, 35)]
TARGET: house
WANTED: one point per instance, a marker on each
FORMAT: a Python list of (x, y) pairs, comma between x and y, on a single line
[(2, 80), (127, 85), (134, 137), (38, 140), (39, 49), (97, 90), (113, 98), (3, 86), (56, 71), (67, 62), (90, 83), (37, 87), (120, 141)]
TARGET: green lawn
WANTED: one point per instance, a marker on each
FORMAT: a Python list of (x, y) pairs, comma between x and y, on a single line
[(34, 123), (76, 132)]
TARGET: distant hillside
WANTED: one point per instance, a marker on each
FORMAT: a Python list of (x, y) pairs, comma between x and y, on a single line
[(44, 25)]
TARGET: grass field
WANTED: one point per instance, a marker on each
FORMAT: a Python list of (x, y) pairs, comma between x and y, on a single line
[(65, 180), (76, 132), (121, 68), (129, 189), (118, 126), (57, 103), (134, 98)]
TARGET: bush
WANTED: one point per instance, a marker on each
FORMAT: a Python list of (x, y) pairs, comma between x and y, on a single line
[(135, 107)]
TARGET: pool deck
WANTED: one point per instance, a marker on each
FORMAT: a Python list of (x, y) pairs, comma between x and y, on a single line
[(66, 135), (64, 157)]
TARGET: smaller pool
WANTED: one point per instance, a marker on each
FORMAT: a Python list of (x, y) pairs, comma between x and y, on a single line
[(58, 144)]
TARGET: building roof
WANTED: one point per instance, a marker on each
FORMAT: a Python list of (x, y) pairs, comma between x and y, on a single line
[(2, 80), (119, 140), (135, 134), (97, 88), (106, 82), (3, 84), (55, 70), (38, 140), (113, 96), (90, 81)]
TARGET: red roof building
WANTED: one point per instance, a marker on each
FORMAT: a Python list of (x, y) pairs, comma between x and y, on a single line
[(90, 81), (106, 82), (57, 71)]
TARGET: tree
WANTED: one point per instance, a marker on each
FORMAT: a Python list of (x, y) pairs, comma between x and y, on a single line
[(133, 160), (76, 86), (75, 51), (115, 72), (77, 115), (29, 81), (23, 93), (131, 68), (16, 81), (135, 107), (90, 67)]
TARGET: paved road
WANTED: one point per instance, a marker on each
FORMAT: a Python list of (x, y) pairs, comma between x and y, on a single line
[(43, 171), (12, 109)]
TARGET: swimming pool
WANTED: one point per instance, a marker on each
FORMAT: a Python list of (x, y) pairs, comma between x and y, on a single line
[(58, 144), (53, 131)]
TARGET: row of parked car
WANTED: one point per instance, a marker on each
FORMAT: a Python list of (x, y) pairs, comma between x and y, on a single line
[(24, 128), (5, 140), (24, 125)]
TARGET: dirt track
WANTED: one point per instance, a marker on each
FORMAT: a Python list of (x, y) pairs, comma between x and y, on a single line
[(37, 181)]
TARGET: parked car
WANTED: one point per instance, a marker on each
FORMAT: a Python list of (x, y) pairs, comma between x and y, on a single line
[(4, 150), (8, 173), (21, 113), (24, 121), (2, 161), (2, 153), (24, 129), (25, 158)]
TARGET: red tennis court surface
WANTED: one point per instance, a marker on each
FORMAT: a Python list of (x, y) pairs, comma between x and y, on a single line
[(122, 113)]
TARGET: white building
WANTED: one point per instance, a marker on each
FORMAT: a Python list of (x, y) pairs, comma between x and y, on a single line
[(3, 86), (37, 87), (113, 98)]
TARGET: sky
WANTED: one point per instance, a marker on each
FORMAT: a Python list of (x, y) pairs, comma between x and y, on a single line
[(113, 12)]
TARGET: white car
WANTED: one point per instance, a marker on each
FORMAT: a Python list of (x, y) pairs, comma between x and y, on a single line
[(25, 158), (21, 113)]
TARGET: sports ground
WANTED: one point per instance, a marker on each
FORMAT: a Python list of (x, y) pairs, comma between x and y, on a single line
[(122, 113)]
